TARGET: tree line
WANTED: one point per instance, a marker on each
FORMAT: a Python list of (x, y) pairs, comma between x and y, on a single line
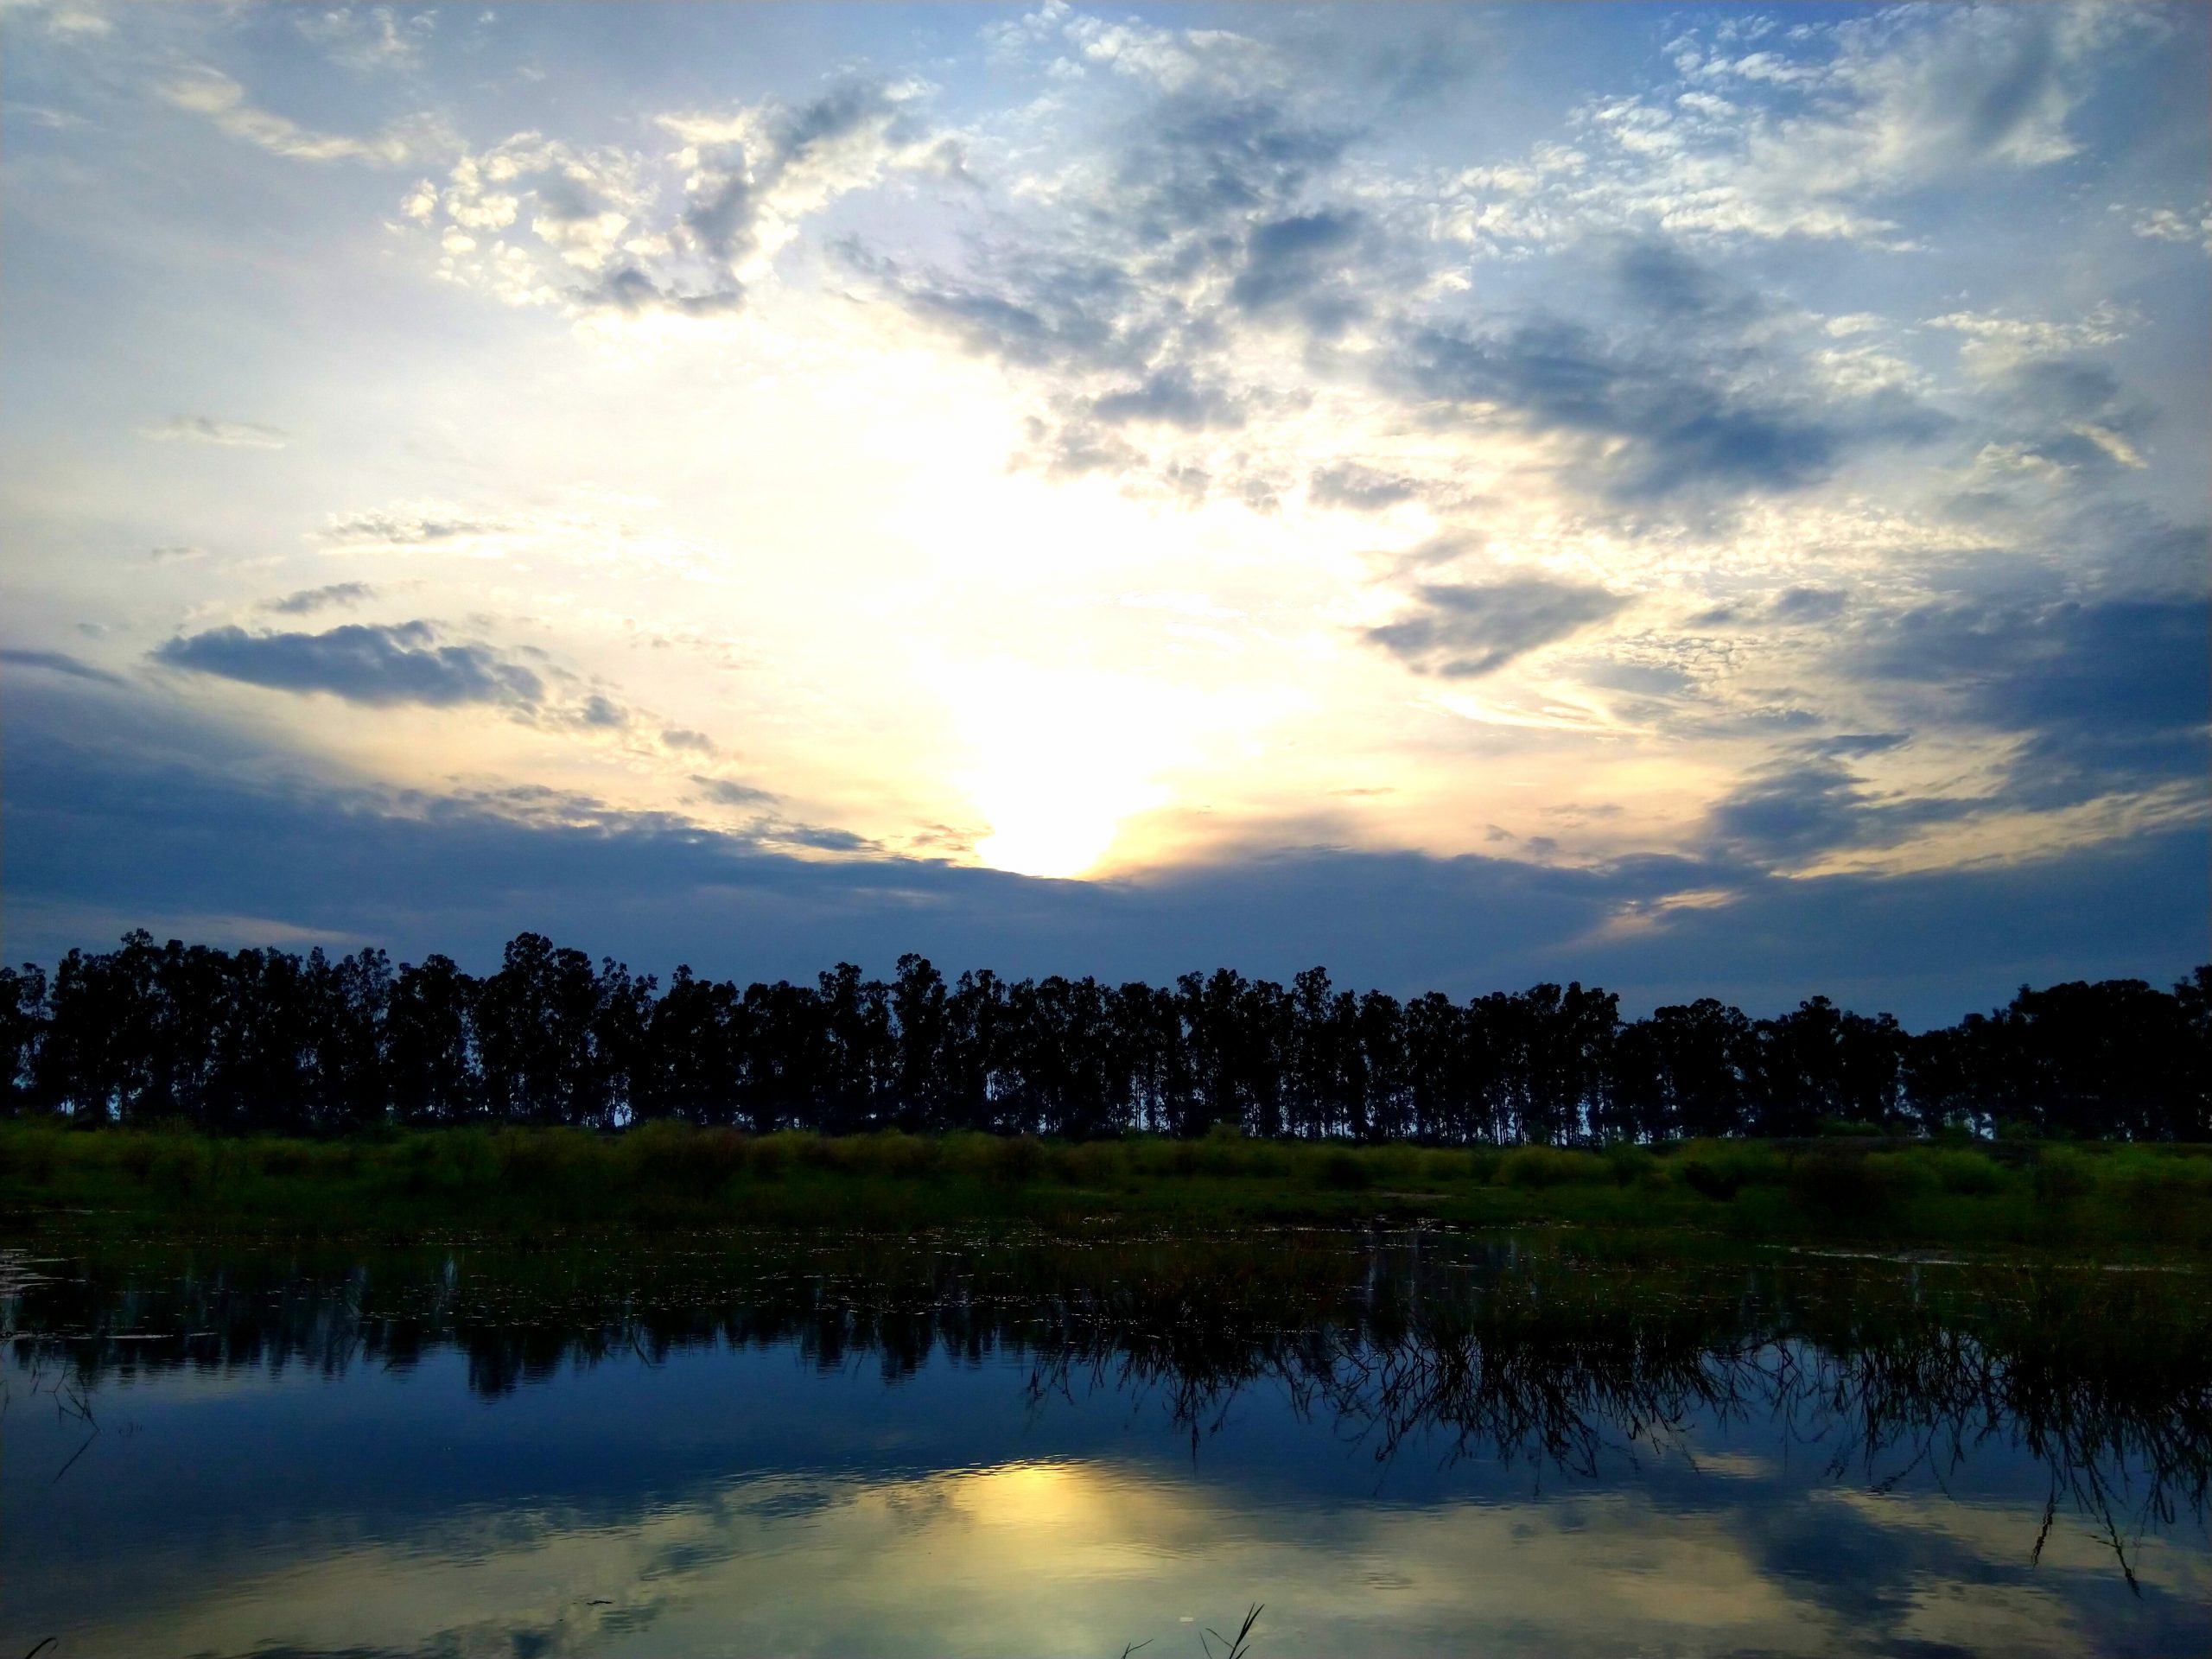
[(271, 1041)]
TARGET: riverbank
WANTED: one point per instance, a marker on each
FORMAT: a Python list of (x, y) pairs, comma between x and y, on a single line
[(527, 1184)]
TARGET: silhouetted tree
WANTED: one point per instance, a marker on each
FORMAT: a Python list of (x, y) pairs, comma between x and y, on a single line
[(267, 1040)]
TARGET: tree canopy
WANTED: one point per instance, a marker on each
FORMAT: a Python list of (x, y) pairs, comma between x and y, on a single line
[(269, 1041)]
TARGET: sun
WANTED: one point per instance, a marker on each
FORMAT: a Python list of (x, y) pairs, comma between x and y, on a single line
[(1049, 835), (1052, 768)]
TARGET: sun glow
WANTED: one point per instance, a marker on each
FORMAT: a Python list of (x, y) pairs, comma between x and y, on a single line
[(1060, 759)]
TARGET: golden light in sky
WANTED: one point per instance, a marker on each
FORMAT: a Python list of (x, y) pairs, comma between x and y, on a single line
[(1083, 448)]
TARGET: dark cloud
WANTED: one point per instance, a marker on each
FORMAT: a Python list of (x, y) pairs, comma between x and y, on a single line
[(1460, 631), (730, 792), (1173, 397), (629, 291), (410, 529), (1670, 426), (600, 712), (371, 665), (311, 599), (1074, 448), (235, 836), (2070, 413), (1360, 489), (1689, 393), (1981, 90), (2112, 695), (1127, 307), (1303, 264), (58, 662), (682, 737), (1643, 679), (1792, 606), (1806, 605), (1200, 161), (1666, 282), (837, 139), (821, 838), (1811, 801)]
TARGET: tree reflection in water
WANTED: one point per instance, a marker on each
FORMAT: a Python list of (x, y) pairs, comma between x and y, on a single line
[(1407, 1343)]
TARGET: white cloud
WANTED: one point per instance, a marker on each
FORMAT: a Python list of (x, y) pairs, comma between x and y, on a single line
[(64, 19), (211, 93), (2165, 224), (205, 429), (1819, 140), (365, 39), (1995, 342), (682, 231)]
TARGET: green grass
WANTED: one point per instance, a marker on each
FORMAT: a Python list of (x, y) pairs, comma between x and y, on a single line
[(527, 1183)]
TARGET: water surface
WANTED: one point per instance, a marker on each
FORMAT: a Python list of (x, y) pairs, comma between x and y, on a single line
[(1400, 1444)]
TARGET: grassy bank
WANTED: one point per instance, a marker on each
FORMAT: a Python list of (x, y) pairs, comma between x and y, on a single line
[(529, 1183)]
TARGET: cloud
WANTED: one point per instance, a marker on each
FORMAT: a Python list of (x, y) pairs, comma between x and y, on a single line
[(682, 737), (2111, 694), (210, 93), (727, 792), (376, 665), (1302, 263), (1663, 423), (1171, 397), (1459, 632), (205, 429), (412, 529), (239, 835), (1810, 800), (2165, 224), (1126, 293), (174, 554), (600, 233), (1822, 132), (1661, 279), (311, 599), (68, 20), (365, 39), (583, 526), (1806, 605), (1348, 485), (58, 662), (1996, 343)]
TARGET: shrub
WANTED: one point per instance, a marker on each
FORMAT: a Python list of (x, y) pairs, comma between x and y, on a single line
[(1631, 1166), (2061, 1177), (1966, 1174), (1845, 1185), (1446, 1166), (1018, 1158), (1709, 1180), (1538, 1167), (768, 1157), (1344, 1171), (32, 1156), (285, 1157), (674, 1157), (893, 1151), (1095, 1163), (538, 1157), (178, 1166), (812, 1151)]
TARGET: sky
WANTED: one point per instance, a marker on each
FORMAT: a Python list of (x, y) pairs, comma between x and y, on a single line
[(1704, 501)]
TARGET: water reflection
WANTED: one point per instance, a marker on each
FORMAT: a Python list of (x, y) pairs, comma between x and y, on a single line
[(1405, 1445)]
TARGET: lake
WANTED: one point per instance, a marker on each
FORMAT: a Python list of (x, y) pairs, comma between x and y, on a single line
[(1400, 1443)]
